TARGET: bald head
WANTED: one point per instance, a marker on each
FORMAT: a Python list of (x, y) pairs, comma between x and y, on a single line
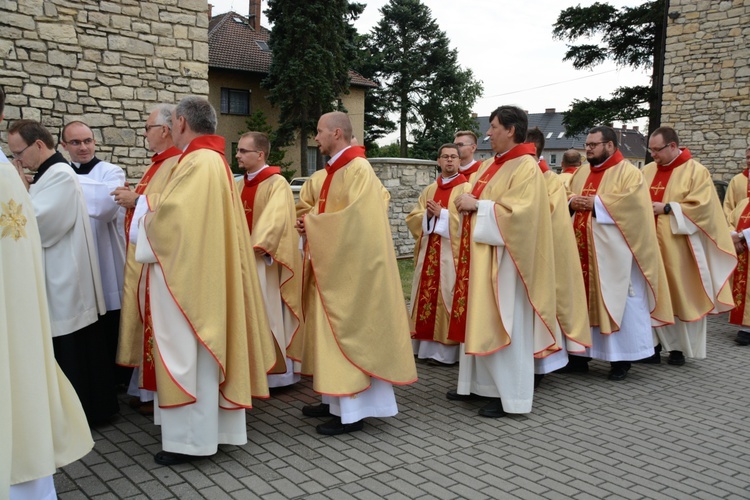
[(340, 120), (334, 132), (571, 158)]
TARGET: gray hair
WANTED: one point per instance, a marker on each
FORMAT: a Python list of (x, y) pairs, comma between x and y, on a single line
[(164, 114), (198, 113)]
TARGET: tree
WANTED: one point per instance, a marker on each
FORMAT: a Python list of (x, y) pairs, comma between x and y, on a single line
[(313, 49), (634, 37), (420, 78)]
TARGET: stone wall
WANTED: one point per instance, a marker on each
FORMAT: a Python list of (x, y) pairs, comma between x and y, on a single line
[(405, 179), (707, 81), (103, 62)]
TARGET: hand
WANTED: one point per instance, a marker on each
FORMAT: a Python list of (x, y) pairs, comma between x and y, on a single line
[(466, 203), (300, 226), (433, 208), (26, 179), (740, 245), (658, 208), (582, 203), (125, 197)]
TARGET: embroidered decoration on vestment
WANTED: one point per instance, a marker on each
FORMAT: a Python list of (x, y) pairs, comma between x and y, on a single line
[(12, 220)]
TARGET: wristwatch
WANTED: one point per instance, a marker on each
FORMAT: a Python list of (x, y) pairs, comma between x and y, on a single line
[(667, 209)]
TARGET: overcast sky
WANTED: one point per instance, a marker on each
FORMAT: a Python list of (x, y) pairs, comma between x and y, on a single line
[(508, 45)]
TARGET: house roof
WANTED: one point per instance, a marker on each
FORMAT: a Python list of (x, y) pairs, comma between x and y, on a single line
[(234, 44), (632, 142)]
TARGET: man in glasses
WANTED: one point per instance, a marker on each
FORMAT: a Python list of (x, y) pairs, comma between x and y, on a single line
[(269, 211), (98, 179), (696, 247), (74, 289), (158, 135), (434, 223), (466, 140), (625, 283)]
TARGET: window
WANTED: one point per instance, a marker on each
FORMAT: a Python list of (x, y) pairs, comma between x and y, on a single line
[(312, 159), (549, 134), (263, 46), (553, 159), (235, 101), (561, 135)]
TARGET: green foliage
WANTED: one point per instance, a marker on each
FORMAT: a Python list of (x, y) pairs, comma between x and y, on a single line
[(406, 272), (631, 37), (420, 80), (313, 49), (259, 123), (392, 150)]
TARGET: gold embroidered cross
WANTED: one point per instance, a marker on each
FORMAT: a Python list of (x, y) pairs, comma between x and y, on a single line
[(590, 189), (744, 219), (248, 210), (657, 188)]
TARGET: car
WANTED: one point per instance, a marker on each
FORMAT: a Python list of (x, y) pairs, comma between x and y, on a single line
[(297, 183)]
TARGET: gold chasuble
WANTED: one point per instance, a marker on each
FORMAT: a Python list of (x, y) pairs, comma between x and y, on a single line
[(739, 220), (198, 218), (694, 239), (738, 190), (434, 262), (623, 192), (521, 207), (42, 424), (268, 203), (356, 323), (571, 309), (130, 344)]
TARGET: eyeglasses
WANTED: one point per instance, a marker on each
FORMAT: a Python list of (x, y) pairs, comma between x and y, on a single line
[(243, 151), (658, 150), (75, 142), (448, 157), (149, 127), (592, 145), (462, 144), (17, 156)]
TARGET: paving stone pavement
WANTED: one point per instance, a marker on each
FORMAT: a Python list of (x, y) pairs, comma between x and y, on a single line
[(665, 432)]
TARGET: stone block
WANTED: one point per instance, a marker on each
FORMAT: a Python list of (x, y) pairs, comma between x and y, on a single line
[(141, 27), (110, 57), (195, 5), (130, 45), (110, 7), (18, 20), (122, 92), (41, 103), (176, 18), (49, 93), (58, 33), (145, 94), (194, 70), (43, 69), (118, 136), (64, 59), (161, 29), (99, 18), (199, 87), (200, 52), (150, 11), (32, 90), (29, 113), (32, 45), (120, 22)]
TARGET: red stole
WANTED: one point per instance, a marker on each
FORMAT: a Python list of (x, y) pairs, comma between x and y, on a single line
[(581, 219), (543, 165), (739, 286), (569, 170), (457, 329), (745, 173), (663, 173), (429, 280), (140, 188), (251, 187), (214, 143), (472, 169), (348, 155)]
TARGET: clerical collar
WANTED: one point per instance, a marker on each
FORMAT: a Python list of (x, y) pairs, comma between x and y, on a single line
[(57, 157), (675, 158), (446, 180), (252, 176), (336, 156), (86, 168), (461, 168), (605, 161)]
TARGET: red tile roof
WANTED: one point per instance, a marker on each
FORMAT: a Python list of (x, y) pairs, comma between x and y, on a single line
[(232, 45)]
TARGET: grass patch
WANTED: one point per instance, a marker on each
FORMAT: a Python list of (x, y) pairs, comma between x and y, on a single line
[(406, 270)]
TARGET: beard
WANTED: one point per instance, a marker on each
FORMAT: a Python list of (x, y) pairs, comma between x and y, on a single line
[(598, 159)]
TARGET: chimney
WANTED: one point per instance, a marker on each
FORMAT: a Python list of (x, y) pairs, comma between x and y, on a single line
[(635, 127), (210, 11), (624, 126), (549, 110), (473, 115), (254, 14)]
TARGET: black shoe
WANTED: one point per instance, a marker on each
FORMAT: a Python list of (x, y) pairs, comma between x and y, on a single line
[(455, 396), (538, 380), (654, 359), (676, 358), (319, 411), (576, 364), (493, 409), (169, 458), (619, 370), (743, 338), (334, 427)]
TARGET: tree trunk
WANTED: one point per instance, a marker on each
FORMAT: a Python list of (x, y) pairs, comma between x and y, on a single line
[(404, 144)]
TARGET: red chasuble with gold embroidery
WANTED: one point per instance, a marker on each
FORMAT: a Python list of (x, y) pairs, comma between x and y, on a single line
[(251, 187)]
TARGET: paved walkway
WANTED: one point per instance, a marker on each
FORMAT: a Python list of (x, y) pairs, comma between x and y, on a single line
[(665, 432)]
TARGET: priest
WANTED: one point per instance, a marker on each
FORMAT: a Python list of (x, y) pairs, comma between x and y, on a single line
[(269, 210), (571, 160), (435, 227), (738, 188), (696, 248), (466, 140), (356, 343), (626, 286), (207, 344), (503, 305)]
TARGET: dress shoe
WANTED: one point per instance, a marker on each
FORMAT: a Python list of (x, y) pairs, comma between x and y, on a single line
[(493, 409), (575, 364), (334, 427), (676, 358), (146, 408), (455, 396), (654, 359), (619, 370), (169, 458), (743, 338), (319, 411)]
